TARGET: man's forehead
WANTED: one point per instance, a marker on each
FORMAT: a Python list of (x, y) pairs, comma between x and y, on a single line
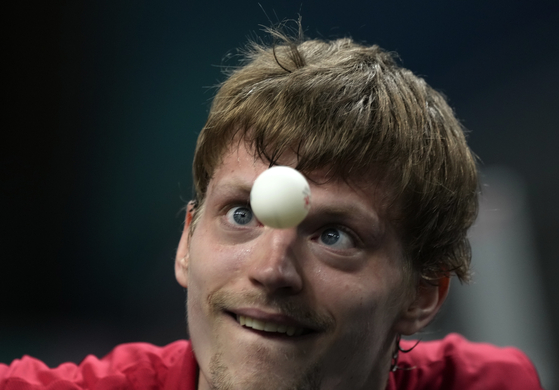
[(241, 165), (240, 155)]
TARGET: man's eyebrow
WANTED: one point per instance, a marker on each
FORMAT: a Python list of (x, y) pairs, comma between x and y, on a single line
[(233, 186), (345, 209)]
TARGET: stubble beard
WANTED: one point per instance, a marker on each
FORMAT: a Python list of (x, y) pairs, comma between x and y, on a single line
[(223, 379), (263, 377)]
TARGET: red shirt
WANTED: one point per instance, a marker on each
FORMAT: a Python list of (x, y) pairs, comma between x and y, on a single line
[(457, 364), (450, 364), (138, 366)]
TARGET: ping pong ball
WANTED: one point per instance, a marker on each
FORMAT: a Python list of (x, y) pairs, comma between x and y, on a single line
[(280, 197)]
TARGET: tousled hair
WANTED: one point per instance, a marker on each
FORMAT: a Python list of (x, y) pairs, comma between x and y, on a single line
[(351, 108)]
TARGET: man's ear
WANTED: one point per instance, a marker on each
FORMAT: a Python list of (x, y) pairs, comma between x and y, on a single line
[(429, 298), (182, 256)]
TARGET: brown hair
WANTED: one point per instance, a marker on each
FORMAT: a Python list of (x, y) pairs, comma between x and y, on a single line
[(351, 108)]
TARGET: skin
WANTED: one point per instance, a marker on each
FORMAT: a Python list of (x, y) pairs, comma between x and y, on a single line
[(339, 275)]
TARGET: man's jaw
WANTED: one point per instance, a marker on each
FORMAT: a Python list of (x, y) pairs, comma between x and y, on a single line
[(261, 343)]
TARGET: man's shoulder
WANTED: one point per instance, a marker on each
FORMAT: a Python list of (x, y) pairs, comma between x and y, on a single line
[(127, 366), (456, 363)]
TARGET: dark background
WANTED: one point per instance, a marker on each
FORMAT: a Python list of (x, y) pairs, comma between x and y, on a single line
[(105, 100)]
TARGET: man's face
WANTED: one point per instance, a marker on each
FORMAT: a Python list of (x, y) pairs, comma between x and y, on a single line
[(316, 306)]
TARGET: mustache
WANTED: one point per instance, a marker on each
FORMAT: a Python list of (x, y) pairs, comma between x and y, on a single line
[(298, 310)]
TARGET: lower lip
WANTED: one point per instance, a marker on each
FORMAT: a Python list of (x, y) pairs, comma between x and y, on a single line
[(279, 336)]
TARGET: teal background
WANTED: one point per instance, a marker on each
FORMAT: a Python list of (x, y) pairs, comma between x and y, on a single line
[(106, 98)]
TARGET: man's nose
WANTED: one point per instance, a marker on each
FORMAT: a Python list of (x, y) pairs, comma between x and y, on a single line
[(274, 266)]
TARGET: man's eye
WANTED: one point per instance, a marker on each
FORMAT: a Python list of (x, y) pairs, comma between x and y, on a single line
[(240, 215), (336, 238)]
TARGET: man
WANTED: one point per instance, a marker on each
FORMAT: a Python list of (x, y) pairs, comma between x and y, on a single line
[(322, 305)]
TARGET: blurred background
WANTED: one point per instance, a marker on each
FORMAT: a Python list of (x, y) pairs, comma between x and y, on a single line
[(104, 102)]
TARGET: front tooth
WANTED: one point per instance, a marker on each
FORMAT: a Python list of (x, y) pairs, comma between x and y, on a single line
[(270, 327), (257, 324)]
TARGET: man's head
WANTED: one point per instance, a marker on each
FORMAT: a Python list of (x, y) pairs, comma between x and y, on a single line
[(352, 109), (394, 192)]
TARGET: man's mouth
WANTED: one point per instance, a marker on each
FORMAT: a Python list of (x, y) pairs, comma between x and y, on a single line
[(270, 327)]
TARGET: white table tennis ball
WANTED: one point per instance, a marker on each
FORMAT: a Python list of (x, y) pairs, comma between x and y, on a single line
[(280, 197)]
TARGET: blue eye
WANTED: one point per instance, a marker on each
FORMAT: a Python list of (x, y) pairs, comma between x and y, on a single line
[(336, 238), (330, 236), (240, 215)]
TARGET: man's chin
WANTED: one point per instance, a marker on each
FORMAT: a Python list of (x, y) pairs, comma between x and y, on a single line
[(250, 375)]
